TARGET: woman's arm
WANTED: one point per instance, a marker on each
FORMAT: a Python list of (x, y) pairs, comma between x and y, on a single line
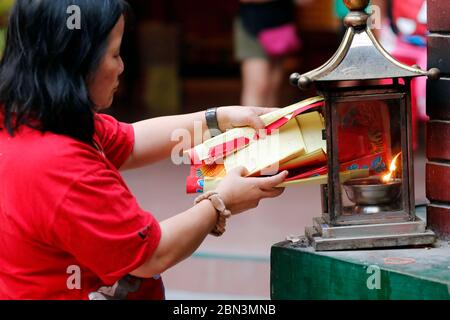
[(181, 235), (153, 137)]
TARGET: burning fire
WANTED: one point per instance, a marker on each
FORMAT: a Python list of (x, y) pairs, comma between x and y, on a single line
[(392, 168)]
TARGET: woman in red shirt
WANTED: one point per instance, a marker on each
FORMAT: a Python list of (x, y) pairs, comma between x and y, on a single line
[(69, 226)]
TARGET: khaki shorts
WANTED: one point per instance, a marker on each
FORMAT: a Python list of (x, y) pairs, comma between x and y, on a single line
[(246, 46)]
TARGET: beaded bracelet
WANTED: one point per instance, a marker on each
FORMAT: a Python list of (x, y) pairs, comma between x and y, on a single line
[(219, 205)]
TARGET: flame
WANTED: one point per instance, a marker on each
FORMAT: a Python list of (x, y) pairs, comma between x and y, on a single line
[(392, 169)]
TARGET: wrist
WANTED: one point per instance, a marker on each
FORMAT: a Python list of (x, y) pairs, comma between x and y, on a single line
[(222, 212), (225, 196)]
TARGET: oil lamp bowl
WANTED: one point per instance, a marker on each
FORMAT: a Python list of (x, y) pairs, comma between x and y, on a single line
[(373, 191)]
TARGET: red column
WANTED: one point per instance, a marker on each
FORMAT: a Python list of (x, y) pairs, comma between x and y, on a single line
[(438, 128)]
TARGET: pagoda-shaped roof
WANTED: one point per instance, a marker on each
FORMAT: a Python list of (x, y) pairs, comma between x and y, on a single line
[(360, 56)]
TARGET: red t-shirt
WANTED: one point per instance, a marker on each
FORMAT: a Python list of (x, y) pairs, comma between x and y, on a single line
[(69, 226)]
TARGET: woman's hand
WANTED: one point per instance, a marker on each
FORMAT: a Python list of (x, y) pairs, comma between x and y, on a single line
[(240, 193), (182, 234), (232, 117)]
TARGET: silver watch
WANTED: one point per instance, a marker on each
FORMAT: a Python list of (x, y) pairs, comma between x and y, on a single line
[(211, 122)]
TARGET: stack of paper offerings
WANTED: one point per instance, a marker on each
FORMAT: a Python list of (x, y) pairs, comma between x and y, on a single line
[(294, 142)]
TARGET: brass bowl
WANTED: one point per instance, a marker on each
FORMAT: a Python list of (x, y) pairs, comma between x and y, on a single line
[(372, 191)]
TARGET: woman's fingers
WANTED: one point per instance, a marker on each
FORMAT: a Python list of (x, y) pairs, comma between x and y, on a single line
[(260, 110), (268, 110), (237, 116), (269, 183), (241, 193), (255, 121)]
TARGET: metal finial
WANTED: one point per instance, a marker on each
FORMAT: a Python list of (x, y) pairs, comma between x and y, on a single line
[(294, 78), (434, 74), (356, 5), (356, 18), (297, 80), (304, 83)]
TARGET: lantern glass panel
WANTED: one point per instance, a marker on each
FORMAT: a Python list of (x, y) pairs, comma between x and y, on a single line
[(369, 134)]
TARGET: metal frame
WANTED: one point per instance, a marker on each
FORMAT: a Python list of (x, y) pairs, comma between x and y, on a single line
[(333, 199), (335, 231), (360, 57)]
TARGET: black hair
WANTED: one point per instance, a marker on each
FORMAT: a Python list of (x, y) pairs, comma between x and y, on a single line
[(46, 63)]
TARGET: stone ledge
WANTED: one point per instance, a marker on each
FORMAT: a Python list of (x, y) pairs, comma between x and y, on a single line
[(394, 274)]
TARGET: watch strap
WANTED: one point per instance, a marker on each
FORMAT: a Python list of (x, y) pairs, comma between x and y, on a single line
[(211, 122)]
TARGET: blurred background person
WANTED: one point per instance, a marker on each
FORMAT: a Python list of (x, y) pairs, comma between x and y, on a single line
[(264, 34), (404, 35), (408, 20)]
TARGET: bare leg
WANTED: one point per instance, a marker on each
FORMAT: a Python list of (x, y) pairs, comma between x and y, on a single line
[(276, 79), (255, 82), (261, 79)]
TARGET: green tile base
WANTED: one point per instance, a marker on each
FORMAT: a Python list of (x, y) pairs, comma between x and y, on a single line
[(394, 274)]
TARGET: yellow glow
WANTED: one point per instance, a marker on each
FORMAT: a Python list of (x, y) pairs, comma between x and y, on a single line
[(392, 169)]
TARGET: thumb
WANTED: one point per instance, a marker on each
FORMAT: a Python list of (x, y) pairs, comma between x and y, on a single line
[(271, 182)]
